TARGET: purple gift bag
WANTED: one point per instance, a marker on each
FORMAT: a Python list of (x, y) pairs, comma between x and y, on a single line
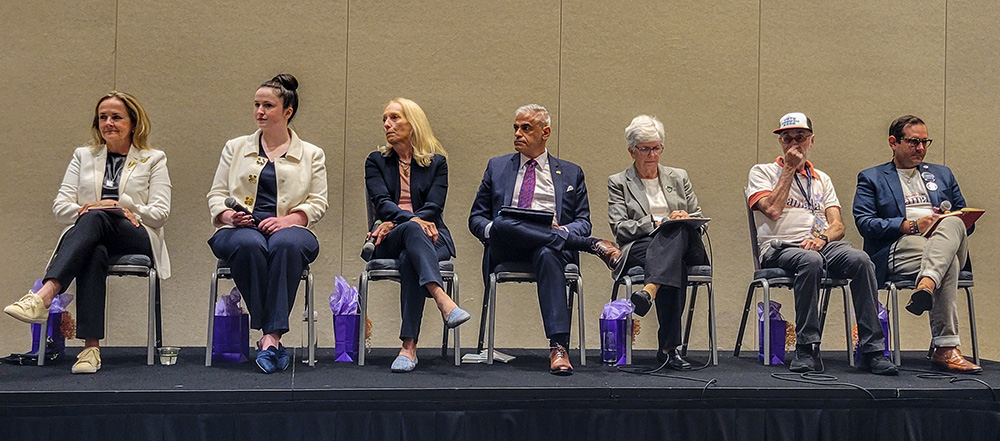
[(883, 319), (778, 326), (58, 345), (345, 327), (614, 336), (231, 338)]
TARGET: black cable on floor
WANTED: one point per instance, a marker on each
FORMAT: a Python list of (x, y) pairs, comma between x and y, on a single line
[(951, 377), (644, 370), (819, 379)]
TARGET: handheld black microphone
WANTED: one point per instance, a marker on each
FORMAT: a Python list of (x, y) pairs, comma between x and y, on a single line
[(779, 244), (369, 248), (231, 203)]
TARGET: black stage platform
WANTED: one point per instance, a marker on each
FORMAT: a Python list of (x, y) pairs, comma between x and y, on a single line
[(737, 400)]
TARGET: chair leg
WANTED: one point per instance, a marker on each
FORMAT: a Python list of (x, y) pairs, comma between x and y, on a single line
[(213, 291), (483, 318), (43, 339), (491, 302), (628, 293), (444, 332), (151, 318), (713, 339), (363, 307), (824, 302), (159, 314), (972, 326), (767, 323), (743, 321), (847, 325), (455, 298), (690, 320), (894, 299), (583, 321), (311, 318)]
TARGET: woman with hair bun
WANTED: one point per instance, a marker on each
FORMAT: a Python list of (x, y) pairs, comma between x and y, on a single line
[(281, 180), (407, 184), (114, 200)]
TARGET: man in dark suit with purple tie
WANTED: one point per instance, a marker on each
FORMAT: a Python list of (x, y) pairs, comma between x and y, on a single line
[(534, 179)]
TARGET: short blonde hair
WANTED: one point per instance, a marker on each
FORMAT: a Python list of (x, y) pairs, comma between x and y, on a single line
[(425, 145), (140, 122)]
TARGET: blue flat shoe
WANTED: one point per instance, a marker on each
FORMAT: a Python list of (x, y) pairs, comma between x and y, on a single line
[(282, 358), (456, 317), (403, 363), (267, 360)]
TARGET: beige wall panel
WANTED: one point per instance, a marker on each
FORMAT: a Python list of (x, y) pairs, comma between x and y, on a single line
[(195, 66), (834, 61), (624, 59), (973, 84), (469, 66), (57, 61)]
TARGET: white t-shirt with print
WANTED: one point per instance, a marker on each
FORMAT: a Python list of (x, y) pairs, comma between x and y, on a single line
[(918, 203), (796, 221)]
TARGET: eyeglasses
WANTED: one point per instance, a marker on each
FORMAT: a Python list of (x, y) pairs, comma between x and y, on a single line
[(799, 137), (914, 142), (648, 151)]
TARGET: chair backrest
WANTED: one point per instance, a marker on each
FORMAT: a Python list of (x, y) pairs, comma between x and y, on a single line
[(754, 249)]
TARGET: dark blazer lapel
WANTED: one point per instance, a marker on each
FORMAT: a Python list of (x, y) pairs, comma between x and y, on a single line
[(555, 169), (391, 170), (507, 178), (892, 181), (635, 188)]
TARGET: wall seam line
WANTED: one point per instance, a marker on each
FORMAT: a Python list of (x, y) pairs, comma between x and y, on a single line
[(559, 84), (114, 56), (760, 14), (343, 161)]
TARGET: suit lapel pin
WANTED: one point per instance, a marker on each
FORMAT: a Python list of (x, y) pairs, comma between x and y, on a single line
[(261, 161), (131, 164), (252, 179), (558, 172), (145, 159), (570, 188), (670, 189)]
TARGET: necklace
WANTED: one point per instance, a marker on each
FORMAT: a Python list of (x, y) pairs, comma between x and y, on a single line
[(406, 168)]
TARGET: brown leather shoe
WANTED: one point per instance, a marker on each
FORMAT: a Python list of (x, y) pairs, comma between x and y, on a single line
[(559, 361), (610, 254), (950, 359)]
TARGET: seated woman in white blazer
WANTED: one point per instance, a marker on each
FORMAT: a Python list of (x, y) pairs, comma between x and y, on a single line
[(282, 181), (114, 199)]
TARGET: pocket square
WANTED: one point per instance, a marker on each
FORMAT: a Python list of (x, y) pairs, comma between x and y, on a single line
[(570, 188)]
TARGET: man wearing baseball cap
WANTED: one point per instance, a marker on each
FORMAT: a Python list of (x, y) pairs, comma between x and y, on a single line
[(799, 229), (896, 203)]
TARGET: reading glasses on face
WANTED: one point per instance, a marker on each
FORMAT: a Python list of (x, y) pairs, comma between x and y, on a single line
[(799, 137), (648, 150), (914, 142)]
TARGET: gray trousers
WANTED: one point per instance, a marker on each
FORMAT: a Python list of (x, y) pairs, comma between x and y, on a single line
[(841, 261), (940, 257)]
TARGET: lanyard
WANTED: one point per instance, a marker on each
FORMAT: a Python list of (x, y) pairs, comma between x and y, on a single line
[(807, 192)]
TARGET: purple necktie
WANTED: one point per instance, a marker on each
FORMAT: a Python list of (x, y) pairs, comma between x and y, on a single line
[(527, 185)]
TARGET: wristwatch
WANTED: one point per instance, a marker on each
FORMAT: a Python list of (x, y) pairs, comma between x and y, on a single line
[(823, 236)]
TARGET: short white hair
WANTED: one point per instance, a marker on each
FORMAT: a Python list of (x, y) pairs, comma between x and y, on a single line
[(535, 109), (644, 128)]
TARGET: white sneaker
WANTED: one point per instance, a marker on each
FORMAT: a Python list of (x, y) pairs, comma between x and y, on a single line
[(30, 309), (88, 362)]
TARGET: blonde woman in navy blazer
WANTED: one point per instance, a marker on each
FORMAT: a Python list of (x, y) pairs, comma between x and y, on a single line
[(282, 180), (114, 200), (407, 184)]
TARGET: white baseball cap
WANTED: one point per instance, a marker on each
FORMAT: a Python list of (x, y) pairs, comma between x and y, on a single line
[(794, 120)]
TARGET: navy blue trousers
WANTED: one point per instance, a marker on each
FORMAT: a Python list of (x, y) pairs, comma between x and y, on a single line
[(418, 266), (267, 270), (85, 253), (512, 240)]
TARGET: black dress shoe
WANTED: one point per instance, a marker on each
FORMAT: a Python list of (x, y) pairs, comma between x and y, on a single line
[(806, 359), (675, 361), (920, 301), (642, 302), (876, 363)]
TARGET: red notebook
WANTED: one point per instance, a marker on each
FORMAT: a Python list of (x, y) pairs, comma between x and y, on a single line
[(969, 217)]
